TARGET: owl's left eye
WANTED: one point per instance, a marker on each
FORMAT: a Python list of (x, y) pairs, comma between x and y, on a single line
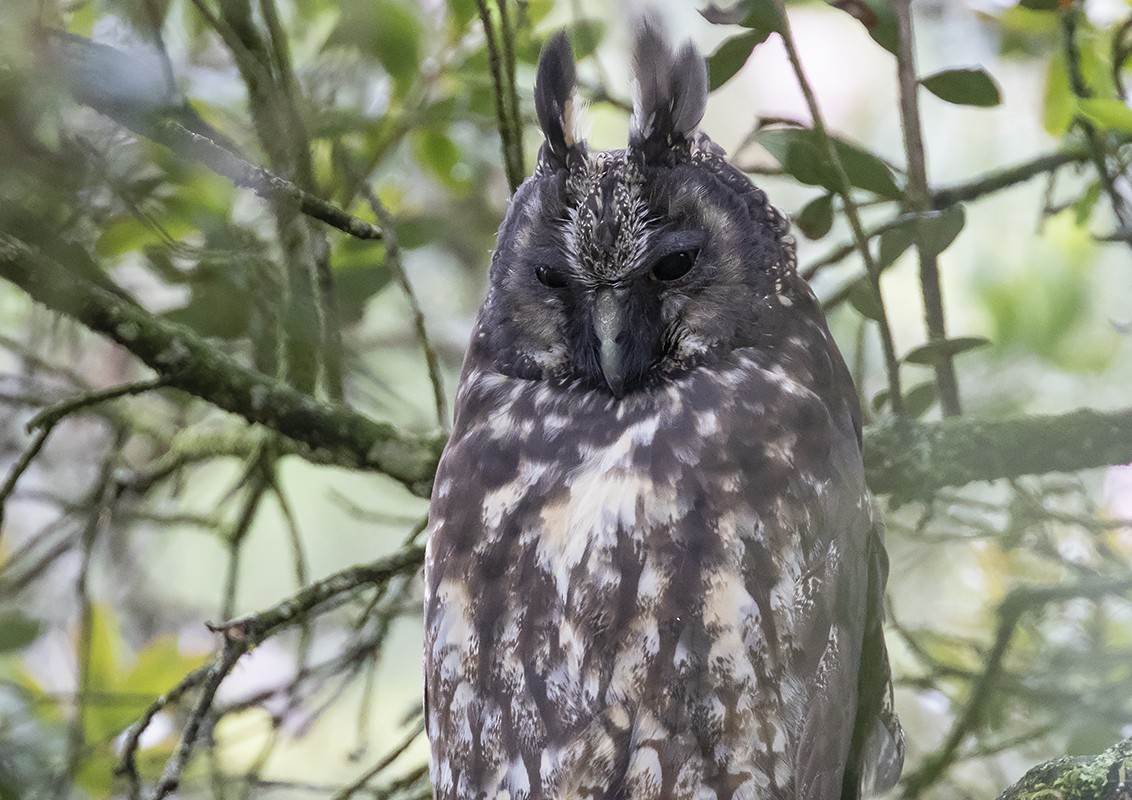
[(550, 277), (673, 266)]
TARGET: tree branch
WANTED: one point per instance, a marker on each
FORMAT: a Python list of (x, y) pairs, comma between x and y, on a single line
[(1104, 777), (1010, 611), (332, 432), (172, 122), (911, 460), (891, 363), (501, 61), (919, 197)]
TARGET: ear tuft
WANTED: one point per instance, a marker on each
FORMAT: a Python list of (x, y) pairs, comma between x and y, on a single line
[(554, 99), (671, 93)]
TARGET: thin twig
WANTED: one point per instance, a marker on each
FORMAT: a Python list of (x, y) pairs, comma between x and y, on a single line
[(234, 648), (291, 611), (510, 137), (52, 415), (1010, 612), (891, 364), (396, 752), (102, 494), (919, 198), (239, 532), (18, 469), (331, 432), (397, 267), (1070, 15)]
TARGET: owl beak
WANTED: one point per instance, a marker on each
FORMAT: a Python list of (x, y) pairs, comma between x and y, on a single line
[(609, 325)]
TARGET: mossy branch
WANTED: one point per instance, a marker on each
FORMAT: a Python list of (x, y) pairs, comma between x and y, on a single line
[(1104, 777), (913, 459), (329, 432)]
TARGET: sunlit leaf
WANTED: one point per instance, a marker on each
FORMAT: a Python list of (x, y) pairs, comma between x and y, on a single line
[(966, 86), (1058, 101), (436, 151), (803, 155), (1107, 113), (159, 666), (731, 56), (105, 648)]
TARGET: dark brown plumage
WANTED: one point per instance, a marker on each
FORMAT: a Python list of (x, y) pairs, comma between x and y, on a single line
[(653, 570)]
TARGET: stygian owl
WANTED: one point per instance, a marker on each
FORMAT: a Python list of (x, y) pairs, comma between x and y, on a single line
[(652, 570)]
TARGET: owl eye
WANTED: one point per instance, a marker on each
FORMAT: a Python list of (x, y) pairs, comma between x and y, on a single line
[(673, 265), (550, 277)]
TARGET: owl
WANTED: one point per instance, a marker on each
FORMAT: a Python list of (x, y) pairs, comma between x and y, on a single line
[(652, 567)]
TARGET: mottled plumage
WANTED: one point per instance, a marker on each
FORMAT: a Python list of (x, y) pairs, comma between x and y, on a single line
[(652, 567)]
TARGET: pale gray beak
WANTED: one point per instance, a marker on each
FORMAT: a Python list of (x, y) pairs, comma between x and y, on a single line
[(609, 325)]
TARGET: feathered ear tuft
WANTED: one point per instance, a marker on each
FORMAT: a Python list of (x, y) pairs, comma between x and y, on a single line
[(671, 94), (554, 101)]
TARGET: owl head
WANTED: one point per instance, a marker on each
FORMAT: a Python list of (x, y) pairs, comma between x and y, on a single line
[(620, 270)]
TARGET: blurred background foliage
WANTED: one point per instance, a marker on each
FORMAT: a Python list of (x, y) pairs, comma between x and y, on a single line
[(140, 514)]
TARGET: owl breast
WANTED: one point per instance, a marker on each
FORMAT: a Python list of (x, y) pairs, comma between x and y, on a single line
[(624, 598)]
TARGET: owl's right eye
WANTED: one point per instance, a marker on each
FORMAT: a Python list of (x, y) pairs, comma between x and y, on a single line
[(550, 277)]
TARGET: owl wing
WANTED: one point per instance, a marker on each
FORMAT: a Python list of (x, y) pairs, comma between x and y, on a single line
[(849, 736), (851, 740), (877, 754)]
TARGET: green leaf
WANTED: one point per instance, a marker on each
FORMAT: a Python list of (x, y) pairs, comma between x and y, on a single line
[(761, 15), (217, 307), (159, 666), (893, 243), (360, 272), (803, 155), (726, 62), (1040, 5), (935, 352), (462, 12), (965, 86), (1083, 207), (585, 36), (436, 151), (17, 631), (1107, 113), (864, 299), (816, 218), (387, 30), (877, 16), (917, 400), (1058, 101), (934, 231)]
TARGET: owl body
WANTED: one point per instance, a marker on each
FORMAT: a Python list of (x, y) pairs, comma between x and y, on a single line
[(652, 572)]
